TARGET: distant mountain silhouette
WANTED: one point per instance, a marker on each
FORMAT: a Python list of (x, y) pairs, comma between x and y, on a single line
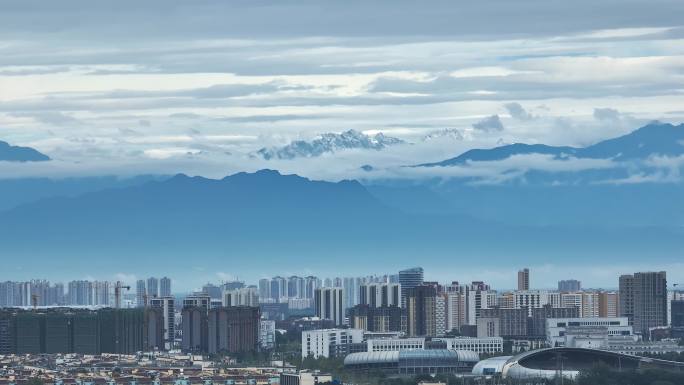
[(627, 191), (20, 154), (251, 221), (17, 191), (653, 139)]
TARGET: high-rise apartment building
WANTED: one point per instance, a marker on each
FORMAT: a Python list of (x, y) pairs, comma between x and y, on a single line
[(152, 287), (233, 329), (329, 304), (278, 289), (677, 311), (380, 294), (101, 293), (351, 287), (409, 279), (140, 293), (167, 306), (479, 298), (311, 283), (643, 300), (21, 293), (80, 293), (569, 285), (524, 279), (377, 319), (195, 328), (456, 308), (246, 296), (214, 291), (507, 323), (264, 289), (198, 300), (165, 287), (295, 287), (421, 311), (609, 304)]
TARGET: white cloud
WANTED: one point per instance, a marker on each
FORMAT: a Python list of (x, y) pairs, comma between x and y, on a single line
[(169, 90), (490, 123)]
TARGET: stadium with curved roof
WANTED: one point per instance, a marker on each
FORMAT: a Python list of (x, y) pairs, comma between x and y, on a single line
[(412, 362), (549, 363)]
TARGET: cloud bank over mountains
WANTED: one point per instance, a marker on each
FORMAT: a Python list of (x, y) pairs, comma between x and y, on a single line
[(129, 90)]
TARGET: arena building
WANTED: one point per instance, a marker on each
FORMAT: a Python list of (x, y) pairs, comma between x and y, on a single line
[(412, 362)]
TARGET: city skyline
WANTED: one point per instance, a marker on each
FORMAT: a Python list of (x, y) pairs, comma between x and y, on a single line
[(546, 276), (219, 279)]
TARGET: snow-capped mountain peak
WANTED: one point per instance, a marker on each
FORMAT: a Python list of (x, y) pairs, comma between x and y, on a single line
[(329, 143)]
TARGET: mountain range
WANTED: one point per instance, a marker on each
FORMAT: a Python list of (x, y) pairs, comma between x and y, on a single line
[(650, 140), (256, 221), (329, 143), (20, 154)]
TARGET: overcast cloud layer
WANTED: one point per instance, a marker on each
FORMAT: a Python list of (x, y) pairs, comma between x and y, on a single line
[(132, 87)]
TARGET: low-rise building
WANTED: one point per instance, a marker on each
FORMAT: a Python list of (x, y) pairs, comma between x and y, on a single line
[(488, 345), (589, 332), (395, 344), (305, 377), (321, 343)]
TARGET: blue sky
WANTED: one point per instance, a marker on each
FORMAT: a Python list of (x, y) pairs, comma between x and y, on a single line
[(168, 86)]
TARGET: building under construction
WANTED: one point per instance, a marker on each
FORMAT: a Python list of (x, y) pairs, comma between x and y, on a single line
[(66, 330), (232, 329)]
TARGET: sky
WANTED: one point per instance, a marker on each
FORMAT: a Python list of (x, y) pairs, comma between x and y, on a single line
[(133, 87)]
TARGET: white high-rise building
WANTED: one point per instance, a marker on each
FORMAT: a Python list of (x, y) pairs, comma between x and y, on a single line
[(167, 304), (478, 300), (535, 299), (329, 304), (380, 294), (456, 308), (572, 300), (440, 316), (246, 296)]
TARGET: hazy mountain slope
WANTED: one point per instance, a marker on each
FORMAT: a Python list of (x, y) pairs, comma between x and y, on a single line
[(251, 221), (14, 192), (20, 154)]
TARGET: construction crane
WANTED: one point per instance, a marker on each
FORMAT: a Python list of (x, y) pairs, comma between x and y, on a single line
[(117, 293)]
